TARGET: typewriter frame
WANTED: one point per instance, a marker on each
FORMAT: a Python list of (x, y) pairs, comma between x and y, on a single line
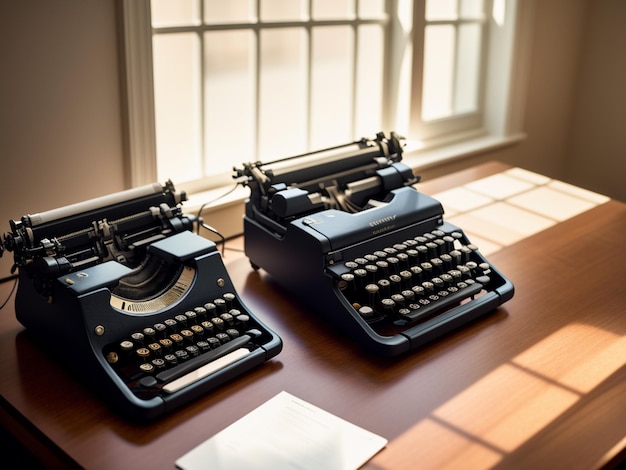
[(272, 238), (76, 315)]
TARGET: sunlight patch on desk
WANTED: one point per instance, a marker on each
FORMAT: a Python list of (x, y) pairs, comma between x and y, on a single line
[(506, 407), (577, 356), (499, 186), (446, 449), (507, 207), (513, 403)]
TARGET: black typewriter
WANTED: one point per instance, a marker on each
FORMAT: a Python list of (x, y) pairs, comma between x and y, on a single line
[(345, 231), (123, 290)]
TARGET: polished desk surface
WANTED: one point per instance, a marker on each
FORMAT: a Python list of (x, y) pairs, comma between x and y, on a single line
[(540, 383)]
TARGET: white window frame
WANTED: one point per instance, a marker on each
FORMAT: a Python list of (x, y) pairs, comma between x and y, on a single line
[(498, 124)]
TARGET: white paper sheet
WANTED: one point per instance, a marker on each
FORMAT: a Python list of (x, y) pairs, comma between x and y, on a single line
[(285, 433)]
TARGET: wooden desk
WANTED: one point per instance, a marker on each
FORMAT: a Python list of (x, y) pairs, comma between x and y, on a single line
[(541, 383)]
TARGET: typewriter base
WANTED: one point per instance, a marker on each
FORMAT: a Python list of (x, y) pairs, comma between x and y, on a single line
[(296, 262), (77, 328)]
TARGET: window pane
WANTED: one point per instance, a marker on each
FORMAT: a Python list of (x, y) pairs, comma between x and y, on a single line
[(471, 8), (330, 9), (168, 13), (282, 126), (468, 69), (232, 11), (177, 110), (441, 10), (229, 99), (331, 88), (438, 72), (283, 10), (371, 8), (369, 77)]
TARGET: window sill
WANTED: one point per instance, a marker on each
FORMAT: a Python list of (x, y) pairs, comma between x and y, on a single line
[(224, 206)]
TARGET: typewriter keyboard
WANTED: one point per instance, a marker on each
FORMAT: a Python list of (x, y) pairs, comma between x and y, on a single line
[(168, 355), (413, 280)]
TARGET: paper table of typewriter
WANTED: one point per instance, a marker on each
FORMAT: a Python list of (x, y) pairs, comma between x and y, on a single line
[(344, 230), (123, 290)]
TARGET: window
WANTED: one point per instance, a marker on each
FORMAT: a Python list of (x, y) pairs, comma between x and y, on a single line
[(212, 84)]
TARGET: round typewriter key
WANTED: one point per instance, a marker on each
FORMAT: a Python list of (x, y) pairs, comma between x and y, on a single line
[(346, 280), (213, 341), (222, 337), (398, 299), (176, 338), (191, 316), (372, 291), (351, 265), (171, 325), (154, 347), (228, 318), (211, 308), (197, 330), (230, 298), (193, 350), (404, 311), (166, 343), (388, 305), (366, 312), (408, 294), (187, 334), (243, 318), (203, 345), (220, 304), (146, 367), (160, 329), (181, 355), (170, 359), (149, 332), (126, 345), (208, 326), (143, 353), (218, 322), (233, 333), (112, 357), (182, 319), (158, 363), (394, 264), (137, 337)]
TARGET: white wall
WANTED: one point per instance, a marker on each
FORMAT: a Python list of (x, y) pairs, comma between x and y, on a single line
[(60, 113), (596, 153)]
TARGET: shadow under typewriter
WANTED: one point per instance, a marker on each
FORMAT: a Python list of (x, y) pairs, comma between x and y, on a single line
[(122, 290), (350, 236)]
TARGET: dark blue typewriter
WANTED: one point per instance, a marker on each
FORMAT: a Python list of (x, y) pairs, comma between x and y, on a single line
[(125, 293), (346, 232)]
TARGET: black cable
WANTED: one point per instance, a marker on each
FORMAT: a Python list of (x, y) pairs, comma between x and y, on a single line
[(211, 229), (10, 293), (208, 227)]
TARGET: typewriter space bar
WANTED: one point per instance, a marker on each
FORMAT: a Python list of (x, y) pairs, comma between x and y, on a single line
[(203, 365)]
